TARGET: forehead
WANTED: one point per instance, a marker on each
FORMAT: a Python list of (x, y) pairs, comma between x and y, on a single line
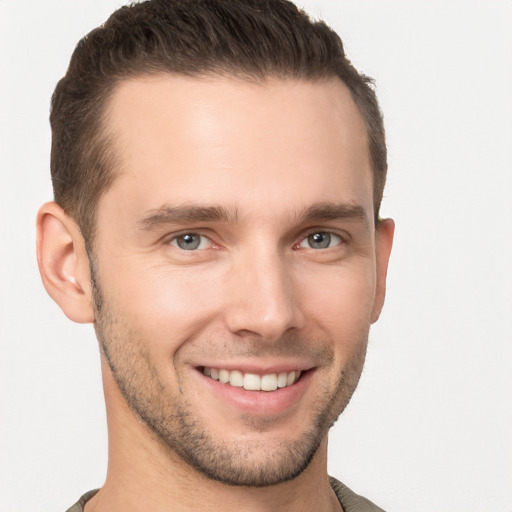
[(218, 140)]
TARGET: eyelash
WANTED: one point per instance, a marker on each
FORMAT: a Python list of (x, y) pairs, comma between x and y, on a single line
[(329, 236), (340, 240), (174, 241)]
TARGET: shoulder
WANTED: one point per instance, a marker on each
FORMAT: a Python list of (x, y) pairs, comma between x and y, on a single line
[(80, 504), (350, 501)]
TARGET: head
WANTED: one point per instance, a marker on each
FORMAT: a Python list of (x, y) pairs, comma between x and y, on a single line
[(253, 40), (219, 167)]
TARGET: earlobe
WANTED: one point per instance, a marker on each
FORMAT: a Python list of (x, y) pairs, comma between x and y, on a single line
[(63, 263), (384, 241)]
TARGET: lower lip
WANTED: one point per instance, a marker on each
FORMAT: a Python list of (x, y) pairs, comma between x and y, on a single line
[(259, 402)]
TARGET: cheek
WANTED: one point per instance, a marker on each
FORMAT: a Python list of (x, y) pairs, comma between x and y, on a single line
[(161, 303), (341, 301)]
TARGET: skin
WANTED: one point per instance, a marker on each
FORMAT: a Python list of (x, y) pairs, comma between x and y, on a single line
[(255, 170)]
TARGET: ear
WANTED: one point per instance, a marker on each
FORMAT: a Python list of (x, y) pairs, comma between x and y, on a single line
[(64, 263), (385, 231)]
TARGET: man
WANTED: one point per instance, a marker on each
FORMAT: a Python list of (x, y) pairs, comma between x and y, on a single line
[(218, 168)]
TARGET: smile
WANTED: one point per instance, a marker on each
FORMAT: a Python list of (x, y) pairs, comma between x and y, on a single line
[(252, 381)]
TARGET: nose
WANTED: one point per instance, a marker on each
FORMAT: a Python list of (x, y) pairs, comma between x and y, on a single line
[(263, 297)]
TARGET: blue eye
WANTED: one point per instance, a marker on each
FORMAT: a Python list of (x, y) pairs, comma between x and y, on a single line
[(321, 240), (190, 242)]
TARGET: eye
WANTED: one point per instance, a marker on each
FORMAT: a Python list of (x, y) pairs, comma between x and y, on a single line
[(191, 242), (321, 240)]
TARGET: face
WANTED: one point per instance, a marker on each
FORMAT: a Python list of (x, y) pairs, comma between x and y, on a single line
[(236, 267)]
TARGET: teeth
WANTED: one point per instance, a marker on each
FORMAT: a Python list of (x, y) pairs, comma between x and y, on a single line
[(236, 379), (269, 382), (282, 380), (253, 381)]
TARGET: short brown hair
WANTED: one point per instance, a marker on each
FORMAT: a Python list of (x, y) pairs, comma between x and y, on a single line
[(253, 39)]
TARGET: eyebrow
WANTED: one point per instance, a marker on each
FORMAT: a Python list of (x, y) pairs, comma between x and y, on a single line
[(196, 213), (333, 211), (186, 214)]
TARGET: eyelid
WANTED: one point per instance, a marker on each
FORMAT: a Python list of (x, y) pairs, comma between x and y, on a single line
[(172, 240), (333, 236), (341, 234)]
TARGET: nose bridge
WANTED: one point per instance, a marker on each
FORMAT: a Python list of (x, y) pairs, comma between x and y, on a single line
[(263, 300)]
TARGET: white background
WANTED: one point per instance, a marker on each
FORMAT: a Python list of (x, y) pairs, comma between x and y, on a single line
[(430, 425)]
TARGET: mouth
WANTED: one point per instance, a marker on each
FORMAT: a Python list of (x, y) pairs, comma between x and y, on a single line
[(252, 381)]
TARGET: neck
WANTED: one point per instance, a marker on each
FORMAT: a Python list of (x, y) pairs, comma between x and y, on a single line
[(144, 475)]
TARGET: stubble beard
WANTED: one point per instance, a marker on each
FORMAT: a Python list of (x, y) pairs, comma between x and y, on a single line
[(170, 416)]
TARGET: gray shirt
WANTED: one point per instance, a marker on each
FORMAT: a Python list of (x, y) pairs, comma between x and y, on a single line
[(349, 500)]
